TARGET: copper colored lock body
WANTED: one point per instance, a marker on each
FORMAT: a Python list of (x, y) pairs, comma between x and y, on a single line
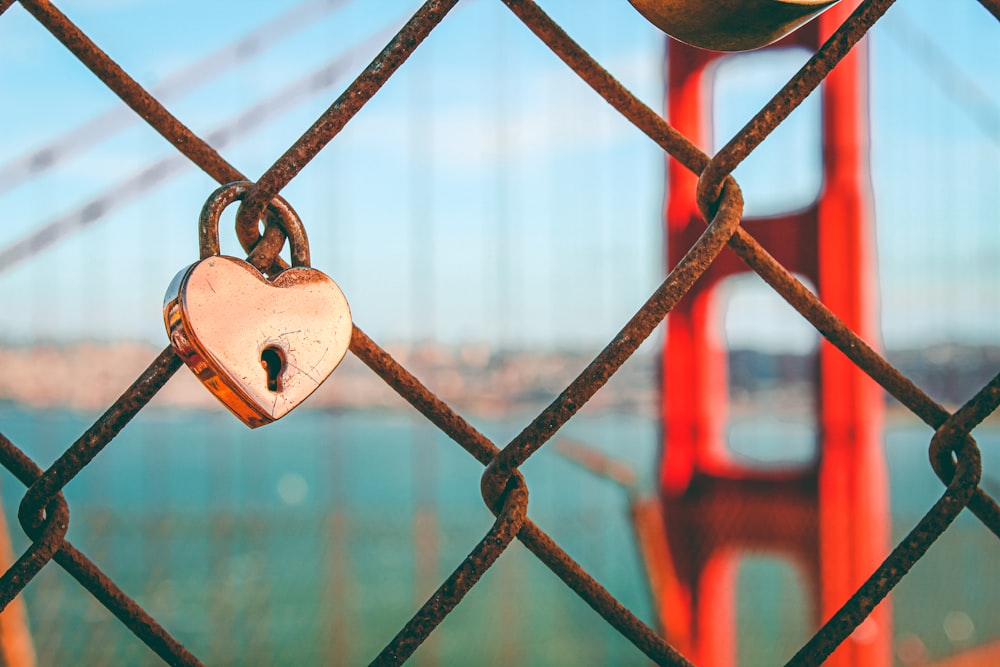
[(260, 346)]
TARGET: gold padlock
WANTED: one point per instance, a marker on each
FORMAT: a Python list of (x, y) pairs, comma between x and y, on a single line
[(260, 346), (729, 25)]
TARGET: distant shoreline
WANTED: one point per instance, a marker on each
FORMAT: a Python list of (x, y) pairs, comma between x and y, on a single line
[(474, 379), (90, 376)]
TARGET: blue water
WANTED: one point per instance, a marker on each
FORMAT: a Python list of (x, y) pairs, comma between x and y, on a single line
[(295, 544)]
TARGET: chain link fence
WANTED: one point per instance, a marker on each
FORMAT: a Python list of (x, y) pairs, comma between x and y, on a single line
[(44, 513)]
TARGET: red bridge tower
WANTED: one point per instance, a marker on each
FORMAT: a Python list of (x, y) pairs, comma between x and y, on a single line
[(831, 516)]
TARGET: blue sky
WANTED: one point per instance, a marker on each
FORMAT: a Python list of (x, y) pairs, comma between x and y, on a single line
[(485, 193)]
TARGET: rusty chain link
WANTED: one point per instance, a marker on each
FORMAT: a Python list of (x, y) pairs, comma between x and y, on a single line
[(954, 454)]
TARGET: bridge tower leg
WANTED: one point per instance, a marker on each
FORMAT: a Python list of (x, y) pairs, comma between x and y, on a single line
[(830, 517)]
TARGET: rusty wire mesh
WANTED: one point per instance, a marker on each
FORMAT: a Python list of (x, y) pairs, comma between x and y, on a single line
[(44, 513)]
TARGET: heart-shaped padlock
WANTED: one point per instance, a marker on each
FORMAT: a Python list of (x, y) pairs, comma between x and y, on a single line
[(729, 25), (261, 346)]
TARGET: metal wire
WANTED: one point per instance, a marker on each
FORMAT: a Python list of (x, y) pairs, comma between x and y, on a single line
[(116, 119), (954, 454)]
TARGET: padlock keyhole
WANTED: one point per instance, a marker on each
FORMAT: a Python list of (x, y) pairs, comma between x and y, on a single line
[(273, 361)]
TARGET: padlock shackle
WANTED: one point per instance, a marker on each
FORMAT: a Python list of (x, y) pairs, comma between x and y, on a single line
[(280, 214)]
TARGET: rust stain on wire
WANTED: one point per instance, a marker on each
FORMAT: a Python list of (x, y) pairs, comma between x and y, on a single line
[(958, 426), (134, 617), (197, 150), (215, 64), (131, 93), (533, 537), (903, 557), (628, 340), (346, 106), (420, 397), (640, 115), (790, 96), (599, 599), (99, 435), (510, 518)]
